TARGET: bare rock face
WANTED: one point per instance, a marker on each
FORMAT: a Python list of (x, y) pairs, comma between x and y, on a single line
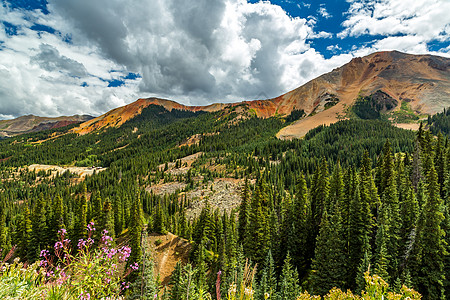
[(422, 80)]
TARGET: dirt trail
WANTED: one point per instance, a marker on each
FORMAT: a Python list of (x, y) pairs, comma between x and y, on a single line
[(162, 263), (167, 250)]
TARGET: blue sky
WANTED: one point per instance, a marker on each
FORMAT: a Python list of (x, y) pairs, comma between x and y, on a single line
[(61, 57)]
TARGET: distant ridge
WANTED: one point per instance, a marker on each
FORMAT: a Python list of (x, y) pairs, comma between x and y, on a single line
[(31, 123)]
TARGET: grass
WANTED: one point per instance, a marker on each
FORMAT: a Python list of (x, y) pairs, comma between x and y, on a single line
[(404, 115)]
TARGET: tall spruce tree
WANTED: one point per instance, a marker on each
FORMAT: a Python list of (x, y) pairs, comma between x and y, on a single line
[(38, 221), (329, 264), (431, 242)]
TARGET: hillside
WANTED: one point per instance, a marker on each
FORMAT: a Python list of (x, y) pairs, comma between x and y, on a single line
[(421, 81), (30, 123)]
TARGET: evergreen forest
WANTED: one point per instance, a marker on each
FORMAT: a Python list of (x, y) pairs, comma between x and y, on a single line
[(355, 209)]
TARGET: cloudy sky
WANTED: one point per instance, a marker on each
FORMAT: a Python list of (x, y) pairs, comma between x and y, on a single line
[(64, 57)]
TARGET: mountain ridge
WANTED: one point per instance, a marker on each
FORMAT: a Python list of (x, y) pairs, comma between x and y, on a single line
[(32, 123), (423, 81)]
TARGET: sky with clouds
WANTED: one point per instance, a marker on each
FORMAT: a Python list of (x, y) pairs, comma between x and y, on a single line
[(64, 57)]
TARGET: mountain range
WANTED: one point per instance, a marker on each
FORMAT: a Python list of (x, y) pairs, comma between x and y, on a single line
[(419, 82)]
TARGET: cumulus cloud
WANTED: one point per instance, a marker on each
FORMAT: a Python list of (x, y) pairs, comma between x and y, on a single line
[(50, 60), (194, 52), (427, 20), (197, 51)]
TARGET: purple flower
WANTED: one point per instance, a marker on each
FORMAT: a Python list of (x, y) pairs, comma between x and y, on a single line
[(90, 226), (81, 243), (58, 245), (125, 285), (84, 296), (62, 232), (43, 263), (44, 253), (134, 266)]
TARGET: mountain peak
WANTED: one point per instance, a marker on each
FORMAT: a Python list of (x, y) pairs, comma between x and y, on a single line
[(422, 80)]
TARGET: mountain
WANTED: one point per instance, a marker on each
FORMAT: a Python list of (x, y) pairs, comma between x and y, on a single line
[(421, 81), (30, 123)]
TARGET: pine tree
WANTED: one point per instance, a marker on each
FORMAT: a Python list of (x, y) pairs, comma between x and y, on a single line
[(319, 195), (38, 223), (358, 236), (244, 211), (431, 243), (364, 267), (136, 227), (329, 264), (5, 245), (302, 247), (289, 287), (268, 281), (24, 231)]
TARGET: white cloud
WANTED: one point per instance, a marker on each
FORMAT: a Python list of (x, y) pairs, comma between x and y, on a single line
[(428, 20), (323, 12), (194, 52)]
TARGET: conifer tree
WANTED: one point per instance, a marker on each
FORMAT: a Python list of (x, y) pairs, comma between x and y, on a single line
[(244, 211), (175, 282), (364, 267), (136, 227), (302, 245), (319, 195), (81, 219), (268, 282), (58, 216), (38, 223), (289, 287), (158, 220), (431, 242), (254, 245), (5, 244), (329, 264), (358, 236), (108, 218), (24, 231)]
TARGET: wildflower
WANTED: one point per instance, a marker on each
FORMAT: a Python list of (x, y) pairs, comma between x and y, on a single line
[(43, 263), (58, 245), (62, 232), (81, 243), (90, 226), (134, 266), (125, 285), (44, 253), (84, 296)]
